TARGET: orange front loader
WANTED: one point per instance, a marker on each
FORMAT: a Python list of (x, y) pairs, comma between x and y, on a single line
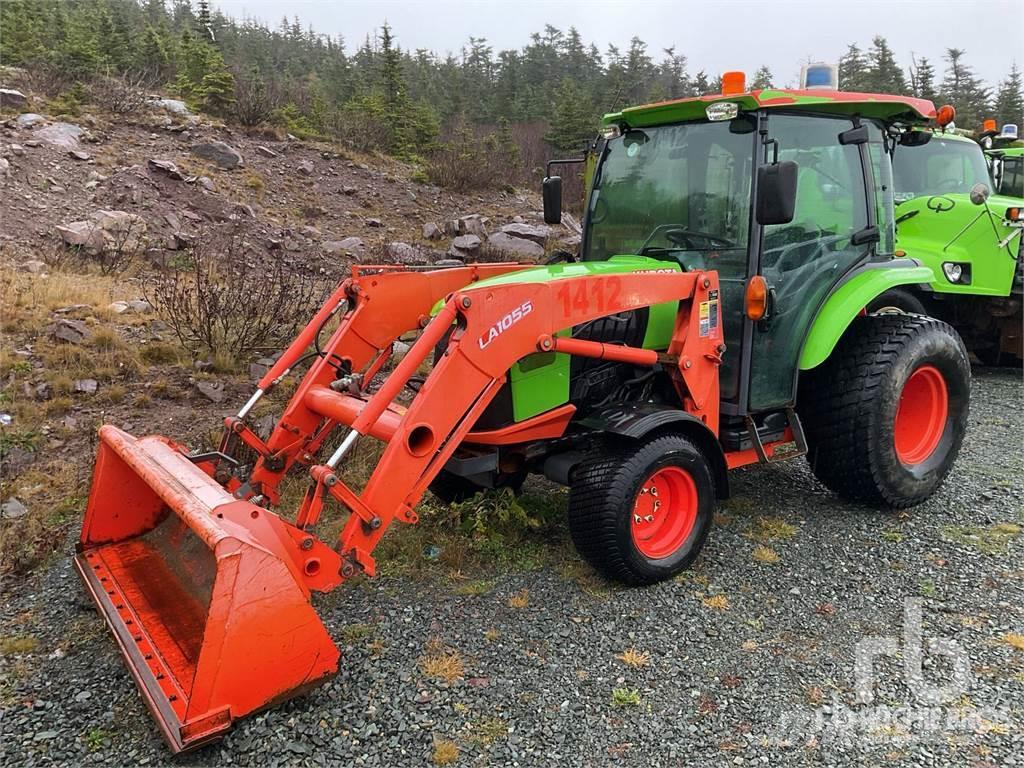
[(207, 590)]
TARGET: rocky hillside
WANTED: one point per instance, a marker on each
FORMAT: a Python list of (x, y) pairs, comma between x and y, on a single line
[(96, 210)]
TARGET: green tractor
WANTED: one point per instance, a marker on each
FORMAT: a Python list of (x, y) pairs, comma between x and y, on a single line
[(947, 219), (1004, 152), (786, 195)]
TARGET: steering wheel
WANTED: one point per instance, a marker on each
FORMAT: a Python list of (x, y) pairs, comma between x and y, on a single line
[(682, 236)]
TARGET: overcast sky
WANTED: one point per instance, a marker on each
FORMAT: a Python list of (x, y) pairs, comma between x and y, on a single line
[(715, 36)]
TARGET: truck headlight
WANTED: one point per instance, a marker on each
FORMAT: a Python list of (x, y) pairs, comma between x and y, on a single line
[(957, 273)]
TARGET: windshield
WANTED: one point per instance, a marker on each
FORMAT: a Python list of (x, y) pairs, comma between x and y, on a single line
[(1011, 175), (675, 192), (942, 166)]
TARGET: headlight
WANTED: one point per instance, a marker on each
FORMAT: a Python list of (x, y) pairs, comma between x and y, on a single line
[(956, 273)]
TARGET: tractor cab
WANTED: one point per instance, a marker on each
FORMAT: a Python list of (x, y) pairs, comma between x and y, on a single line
[(786, 194)]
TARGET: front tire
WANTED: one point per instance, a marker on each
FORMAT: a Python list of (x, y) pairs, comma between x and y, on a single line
[(885, 415), (640, 512)]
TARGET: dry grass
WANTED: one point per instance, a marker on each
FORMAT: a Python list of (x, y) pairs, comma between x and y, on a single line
[(488, 730), (20, 644), (772, 528), (763, 554), (631, 657), (1014, 640), (442, 662), (446, 752), (520, 599), (717, 602)]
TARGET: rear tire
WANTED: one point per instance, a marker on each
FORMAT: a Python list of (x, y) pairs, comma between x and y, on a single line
[(897, 301), (640, 512), (885, 415)]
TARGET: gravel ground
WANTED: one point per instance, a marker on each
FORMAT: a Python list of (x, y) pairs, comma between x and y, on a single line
[(748, 662)]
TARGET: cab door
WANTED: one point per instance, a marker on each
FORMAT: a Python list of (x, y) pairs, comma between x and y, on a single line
[(832, 232)]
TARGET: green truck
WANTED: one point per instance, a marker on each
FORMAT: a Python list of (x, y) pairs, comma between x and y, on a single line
[(971, 240)]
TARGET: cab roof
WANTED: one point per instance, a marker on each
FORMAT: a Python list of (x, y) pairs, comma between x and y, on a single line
[(869, 105)]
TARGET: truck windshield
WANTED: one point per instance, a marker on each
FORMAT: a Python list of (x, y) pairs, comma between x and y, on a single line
[(675, 192), (942, 166)]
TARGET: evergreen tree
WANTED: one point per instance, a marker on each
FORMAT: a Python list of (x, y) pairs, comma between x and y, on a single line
[(964, 90), (884, 74), (1009, 104), (853, 70), (762, 79), (573, 122), (922, 80)]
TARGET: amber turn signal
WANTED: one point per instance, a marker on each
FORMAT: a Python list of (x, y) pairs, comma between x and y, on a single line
[(756, 300)]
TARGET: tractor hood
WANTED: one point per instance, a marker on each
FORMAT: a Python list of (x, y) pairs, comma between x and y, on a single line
[(548, 272), (942, 229)]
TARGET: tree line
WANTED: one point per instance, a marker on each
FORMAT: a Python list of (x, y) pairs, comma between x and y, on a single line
[(374, 94)]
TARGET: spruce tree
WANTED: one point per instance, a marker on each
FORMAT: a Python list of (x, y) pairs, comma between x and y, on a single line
[(1009, 105), (853, 70), (922, 78), (762, 79), (884, 74), (573, 121), (964, 90)]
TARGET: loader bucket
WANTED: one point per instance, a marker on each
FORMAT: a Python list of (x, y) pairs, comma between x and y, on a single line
[(206, 595)]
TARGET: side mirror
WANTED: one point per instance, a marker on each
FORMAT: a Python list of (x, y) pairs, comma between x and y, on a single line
[(776, 192), (979, 194), (551, 191), (915, 138)]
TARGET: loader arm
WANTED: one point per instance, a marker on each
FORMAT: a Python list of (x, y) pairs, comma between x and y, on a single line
[(379, 308), (496, 326)]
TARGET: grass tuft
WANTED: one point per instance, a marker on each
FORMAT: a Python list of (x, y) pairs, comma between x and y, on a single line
[(717, 602), (441, 662), (446, 752), (625, 697), (987, 539), (631, 657), (19, 644), (520, 599), (763, 554)]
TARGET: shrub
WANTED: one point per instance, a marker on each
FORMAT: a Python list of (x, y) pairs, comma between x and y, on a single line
[(471, 161), (120, 95), (217, 301)]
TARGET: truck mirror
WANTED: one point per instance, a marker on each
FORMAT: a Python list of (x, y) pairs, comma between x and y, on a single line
[(979, 193), (551, 191), (915, 138), (776, 192)]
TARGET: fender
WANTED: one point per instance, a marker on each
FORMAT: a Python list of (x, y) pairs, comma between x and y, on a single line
[(847, 300), (638, 420)]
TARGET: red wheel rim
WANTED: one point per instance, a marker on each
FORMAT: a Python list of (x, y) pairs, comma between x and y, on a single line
[(921, 415), (664, 512)]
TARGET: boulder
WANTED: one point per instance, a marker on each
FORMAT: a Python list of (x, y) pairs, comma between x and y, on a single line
[(431, 231), (349, 190), (76, 154), (34, 266), (266, 151), (218, 153), (464, 245), (86, 386), (374, 223), (166, 167), (173, 106), (12, 509), (305, 168), (63, 135), (515, 247), (474, 224), (118, 307), (5, 167), (260, 368), (341, 247), (82, 234), (403, 253), (537, 234), (140, 306), (69, 331), (12, 98), (29, 120), (211, 390)]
